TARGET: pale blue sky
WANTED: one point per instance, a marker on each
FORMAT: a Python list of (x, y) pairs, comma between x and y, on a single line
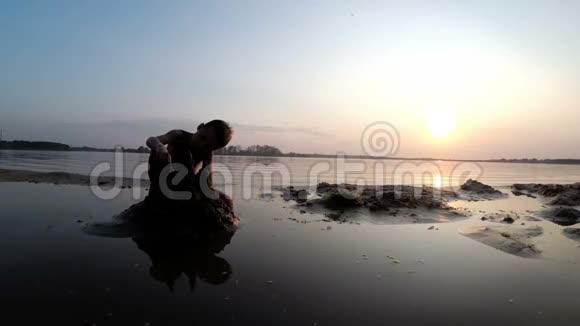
[(304, 76)]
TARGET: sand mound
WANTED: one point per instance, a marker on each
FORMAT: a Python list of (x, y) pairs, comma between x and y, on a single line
[(188, 218), (393, 201), (475, 190), (561, 195)]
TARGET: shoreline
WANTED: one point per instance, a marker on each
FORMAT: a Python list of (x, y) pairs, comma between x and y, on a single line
[(63, 178), (560, 161)]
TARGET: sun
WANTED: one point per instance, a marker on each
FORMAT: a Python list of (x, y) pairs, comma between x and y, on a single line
[(440, 124)]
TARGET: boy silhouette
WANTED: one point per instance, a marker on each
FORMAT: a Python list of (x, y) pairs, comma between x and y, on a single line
[(194, 151)]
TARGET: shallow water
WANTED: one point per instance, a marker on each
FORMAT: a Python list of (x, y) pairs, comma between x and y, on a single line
[(307, 171), (274, 271)]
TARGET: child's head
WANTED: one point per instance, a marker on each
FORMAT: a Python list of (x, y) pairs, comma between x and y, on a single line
[(215, 134)]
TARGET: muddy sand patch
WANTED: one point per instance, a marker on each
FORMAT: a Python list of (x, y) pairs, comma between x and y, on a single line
[(564, 216), (572, 233), (397, 204), (514, 241), (388, 203)]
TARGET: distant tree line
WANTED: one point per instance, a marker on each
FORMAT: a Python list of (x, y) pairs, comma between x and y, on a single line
[(34, 145), (52, 146), (254, 150), (535, 160), (140, 149)]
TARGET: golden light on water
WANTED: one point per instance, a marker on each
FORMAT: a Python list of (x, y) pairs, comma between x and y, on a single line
[(437, 181), (432, 179)]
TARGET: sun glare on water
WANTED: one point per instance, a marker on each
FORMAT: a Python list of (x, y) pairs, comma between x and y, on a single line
[(440, 124)]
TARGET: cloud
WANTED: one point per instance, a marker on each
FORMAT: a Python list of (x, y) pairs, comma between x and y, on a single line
[(133, 133), (275, 129)]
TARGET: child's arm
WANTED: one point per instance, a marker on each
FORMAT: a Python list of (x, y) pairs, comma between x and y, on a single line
[(156, 143), (206, 164)]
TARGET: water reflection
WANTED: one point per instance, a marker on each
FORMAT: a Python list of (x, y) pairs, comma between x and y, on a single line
[(193, 257), (437, 181), (182, 239)]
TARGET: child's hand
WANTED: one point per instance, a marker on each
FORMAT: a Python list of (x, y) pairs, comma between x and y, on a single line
[(161, 154)]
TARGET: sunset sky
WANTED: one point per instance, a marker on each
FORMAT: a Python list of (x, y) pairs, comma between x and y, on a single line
[(458, 79)]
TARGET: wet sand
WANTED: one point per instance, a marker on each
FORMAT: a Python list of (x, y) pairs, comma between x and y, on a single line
[(282, 266), (427, 205), (511, 223)]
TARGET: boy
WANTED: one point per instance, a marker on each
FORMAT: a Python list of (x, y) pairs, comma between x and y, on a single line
[(192, 150)]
